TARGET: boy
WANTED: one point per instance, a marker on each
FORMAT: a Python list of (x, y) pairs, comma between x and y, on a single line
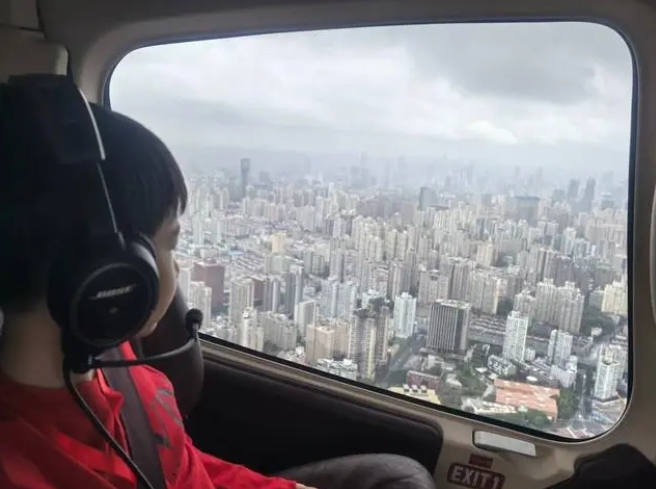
[(46, 441)]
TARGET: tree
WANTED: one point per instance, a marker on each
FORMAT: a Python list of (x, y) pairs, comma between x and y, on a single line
[(376, 304), (536, 419), (568, 404), (472, 386), (501, 261), (396, 377), (504, 307), (491, 397), (515, 418), (594, 318), (271, 348), (531, 418), (435, 370)]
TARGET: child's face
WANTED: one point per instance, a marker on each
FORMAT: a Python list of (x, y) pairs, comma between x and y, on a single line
[(164, 243)]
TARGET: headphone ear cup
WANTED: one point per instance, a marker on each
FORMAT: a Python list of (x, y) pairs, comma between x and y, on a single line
[(143, 247), (145, 241), (143, 252), (105, 295)]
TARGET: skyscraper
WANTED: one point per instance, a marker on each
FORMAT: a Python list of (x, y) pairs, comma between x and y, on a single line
[(448, 326), (242, 296), (293, 290), (245, 169), (573, 191), (405, 307), (588, 195), (427, 197), (213, 275), (514, 340), (271, 299), (368, 336)]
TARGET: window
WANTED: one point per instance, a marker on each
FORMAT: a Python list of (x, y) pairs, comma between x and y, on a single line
[(437, 210)]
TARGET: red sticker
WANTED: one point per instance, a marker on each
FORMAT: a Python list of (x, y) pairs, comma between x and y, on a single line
[(480, 461), (474, 477)]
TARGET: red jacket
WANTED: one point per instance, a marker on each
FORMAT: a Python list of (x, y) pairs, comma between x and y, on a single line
[(47, 442)]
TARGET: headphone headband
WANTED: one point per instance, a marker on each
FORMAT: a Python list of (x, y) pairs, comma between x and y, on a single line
[(59, 116)]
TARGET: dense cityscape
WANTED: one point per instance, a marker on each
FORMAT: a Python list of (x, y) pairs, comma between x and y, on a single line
[(500, 294)]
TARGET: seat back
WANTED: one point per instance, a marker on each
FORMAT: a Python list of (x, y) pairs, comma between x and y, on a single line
[(185, 371)]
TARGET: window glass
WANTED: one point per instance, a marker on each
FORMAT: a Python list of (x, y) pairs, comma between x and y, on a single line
[(436, 210)]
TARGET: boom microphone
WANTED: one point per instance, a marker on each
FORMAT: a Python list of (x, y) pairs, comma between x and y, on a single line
[(192, 323)]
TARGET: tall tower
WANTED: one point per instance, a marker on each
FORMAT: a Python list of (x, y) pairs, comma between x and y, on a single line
[(245, 168), (448, 326), (588, 194), (242, 296)]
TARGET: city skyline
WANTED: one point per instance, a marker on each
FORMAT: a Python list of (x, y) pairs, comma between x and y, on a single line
[(488, 301)]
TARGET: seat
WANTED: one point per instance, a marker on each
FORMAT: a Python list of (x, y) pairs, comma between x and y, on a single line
[(365, 471)]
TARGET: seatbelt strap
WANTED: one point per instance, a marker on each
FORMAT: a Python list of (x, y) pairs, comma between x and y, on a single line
[(141, 438)]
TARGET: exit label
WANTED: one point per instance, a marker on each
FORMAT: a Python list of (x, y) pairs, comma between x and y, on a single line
[(474, 477)]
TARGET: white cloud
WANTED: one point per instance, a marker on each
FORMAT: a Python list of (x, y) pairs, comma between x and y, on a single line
[(396, 81)]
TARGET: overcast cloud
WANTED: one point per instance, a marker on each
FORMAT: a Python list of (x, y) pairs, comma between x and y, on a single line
[(512, 90)]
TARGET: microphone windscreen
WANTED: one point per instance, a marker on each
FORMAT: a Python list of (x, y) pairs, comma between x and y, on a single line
[(194, 318)]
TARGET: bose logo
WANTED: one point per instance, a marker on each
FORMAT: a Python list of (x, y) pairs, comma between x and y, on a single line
[(105, 294)]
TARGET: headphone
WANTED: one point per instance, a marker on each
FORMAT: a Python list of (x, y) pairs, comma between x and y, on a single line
[(103, 287)]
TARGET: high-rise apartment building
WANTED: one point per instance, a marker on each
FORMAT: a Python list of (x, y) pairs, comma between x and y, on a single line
[(448, 326)]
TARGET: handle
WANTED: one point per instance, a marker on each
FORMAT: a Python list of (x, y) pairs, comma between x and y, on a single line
[(500, 443)]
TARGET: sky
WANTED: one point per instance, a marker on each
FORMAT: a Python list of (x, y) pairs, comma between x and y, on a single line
[(556, 94)]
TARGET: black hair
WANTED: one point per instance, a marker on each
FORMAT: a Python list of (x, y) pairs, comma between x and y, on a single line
[(42, 208)]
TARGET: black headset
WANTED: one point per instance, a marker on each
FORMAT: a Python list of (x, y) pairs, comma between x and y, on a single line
[(103, 287)]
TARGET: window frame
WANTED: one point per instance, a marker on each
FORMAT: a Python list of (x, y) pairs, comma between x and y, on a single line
[(207, 339)]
